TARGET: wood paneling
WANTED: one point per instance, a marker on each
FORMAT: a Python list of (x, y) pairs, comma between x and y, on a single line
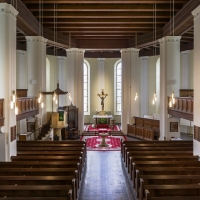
[(183, 108), (186, 92), (21, 92), (1, 112), (197, 133), (147, 129)]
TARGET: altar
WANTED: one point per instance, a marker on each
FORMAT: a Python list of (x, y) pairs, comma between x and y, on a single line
[(102, 119)]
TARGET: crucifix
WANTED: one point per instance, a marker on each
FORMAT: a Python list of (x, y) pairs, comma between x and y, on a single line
[(102, 97)]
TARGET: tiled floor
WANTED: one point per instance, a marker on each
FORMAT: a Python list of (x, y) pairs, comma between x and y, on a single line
[(104, 178)]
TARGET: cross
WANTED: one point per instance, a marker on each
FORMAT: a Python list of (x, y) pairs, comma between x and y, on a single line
[(102, 96)]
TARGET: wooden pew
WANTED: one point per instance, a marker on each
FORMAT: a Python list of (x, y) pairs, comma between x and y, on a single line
[(36, 191), (40, 180), (130, 155), (165, 180), (172, 192), (162, 171), (149, 164)]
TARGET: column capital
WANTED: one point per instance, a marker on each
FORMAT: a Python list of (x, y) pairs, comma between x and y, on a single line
[(185, 52), (133, 50), (101, 59), (168, 39), (73, 50), (144, 57), (196, 12), (8, 8), (36, 39), (61, 57), (20, 52)]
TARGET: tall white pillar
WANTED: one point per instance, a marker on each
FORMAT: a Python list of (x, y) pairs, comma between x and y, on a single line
[(75, 61), (21, 70), (144, 91), (169, 81), (186, 69), (7, 77), (196, 14), (130, 86), (61, 68), (36, 65), (101, 78)]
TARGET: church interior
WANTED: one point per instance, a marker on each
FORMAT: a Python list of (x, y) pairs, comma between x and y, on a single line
[(99, 100)]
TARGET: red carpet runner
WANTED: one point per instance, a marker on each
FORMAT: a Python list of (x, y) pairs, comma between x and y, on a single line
[(93, 141)]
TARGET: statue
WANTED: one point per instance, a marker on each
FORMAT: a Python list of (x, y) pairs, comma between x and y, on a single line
[(102, 96)]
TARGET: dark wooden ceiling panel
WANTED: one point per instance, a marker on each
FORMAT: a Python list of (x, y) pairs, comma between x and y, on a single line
[(105, 24)]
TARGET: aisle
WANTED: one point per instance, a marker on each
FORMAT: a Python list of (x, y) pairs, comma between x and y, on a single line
[(104, 177)]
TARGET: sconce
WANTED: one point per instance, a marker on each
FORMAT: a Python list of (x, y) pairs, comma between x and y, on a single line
[(40, 100), (154, 98), (171, 100), (13, 103), (136, 96)]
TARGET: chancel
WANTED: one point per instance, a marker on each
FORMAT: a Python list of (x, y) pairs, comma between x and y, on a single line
[(113, 56)]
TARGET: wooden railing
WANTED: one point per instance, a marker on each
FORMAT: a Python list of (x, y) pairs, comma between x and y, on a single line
[(1, 112), (27, 107), (183, 108), (186, 92)]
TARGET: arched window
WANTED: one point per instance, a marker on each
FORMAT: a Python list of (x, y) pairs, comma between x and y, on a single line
[(86, 80), (118, 86)]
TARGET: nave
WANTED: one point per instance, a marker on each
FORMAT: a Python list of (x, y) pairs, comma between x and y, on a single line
[(105, 178)]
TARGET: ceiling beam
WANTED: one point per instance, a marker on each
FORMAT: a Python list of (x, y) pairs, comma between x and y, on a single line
[(104, 8), (106, 1)]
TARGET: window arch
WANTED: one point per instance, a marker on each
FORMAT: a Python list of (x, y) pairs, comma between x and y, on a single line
[(86, 80), (117, 86)]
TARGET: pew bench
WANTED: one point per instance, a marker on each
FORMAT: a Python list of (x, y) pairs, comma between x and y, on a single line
[(40, 180), (172, 192), (157, 164), (36, 191), (165, 180)]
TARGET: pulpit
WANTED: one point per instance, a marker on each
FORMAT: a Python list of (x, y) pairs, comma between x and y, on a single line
[(58, 121)]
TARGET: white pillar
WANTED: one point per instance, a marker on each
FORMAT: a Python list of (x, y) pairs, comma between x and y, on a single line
[(75, 61), (196, 14), (169, 80), (36, 65), (101, 78), (144, 90), (185, 69), (21, 70), (7, 77), (135, 84), (61, 68), (130, 86)]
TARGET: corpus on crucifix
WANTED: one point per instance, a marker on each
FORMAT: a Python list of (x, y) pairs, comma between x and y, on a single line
[(102, 96)]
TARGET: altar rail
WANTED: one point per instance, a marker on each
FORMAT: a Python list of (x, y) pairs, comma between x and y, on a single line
[(27, 107), (183, 108), (146, 129), (1, 112)]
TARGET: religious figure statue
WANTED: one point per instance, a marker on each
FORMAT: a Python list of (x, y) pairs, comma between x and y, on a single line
[(102, 96)]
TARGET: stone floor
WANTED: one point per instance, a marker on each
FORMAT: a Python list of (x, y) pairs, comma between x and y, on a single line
[(105, 178)]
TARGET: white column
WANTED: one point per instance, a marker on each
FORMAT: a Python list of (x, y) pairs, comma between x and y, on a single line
[(130, 86), (36, 65), (21, 70), (169, 80), (101, 78), (135, 84), (7, 77), (185, 69), (144, 91), (75, 61), (61, 68), (196, 14)]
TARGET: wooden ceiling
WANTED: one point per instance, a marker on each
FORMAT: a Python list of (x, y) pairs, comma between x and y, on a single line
[(104, 27)]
